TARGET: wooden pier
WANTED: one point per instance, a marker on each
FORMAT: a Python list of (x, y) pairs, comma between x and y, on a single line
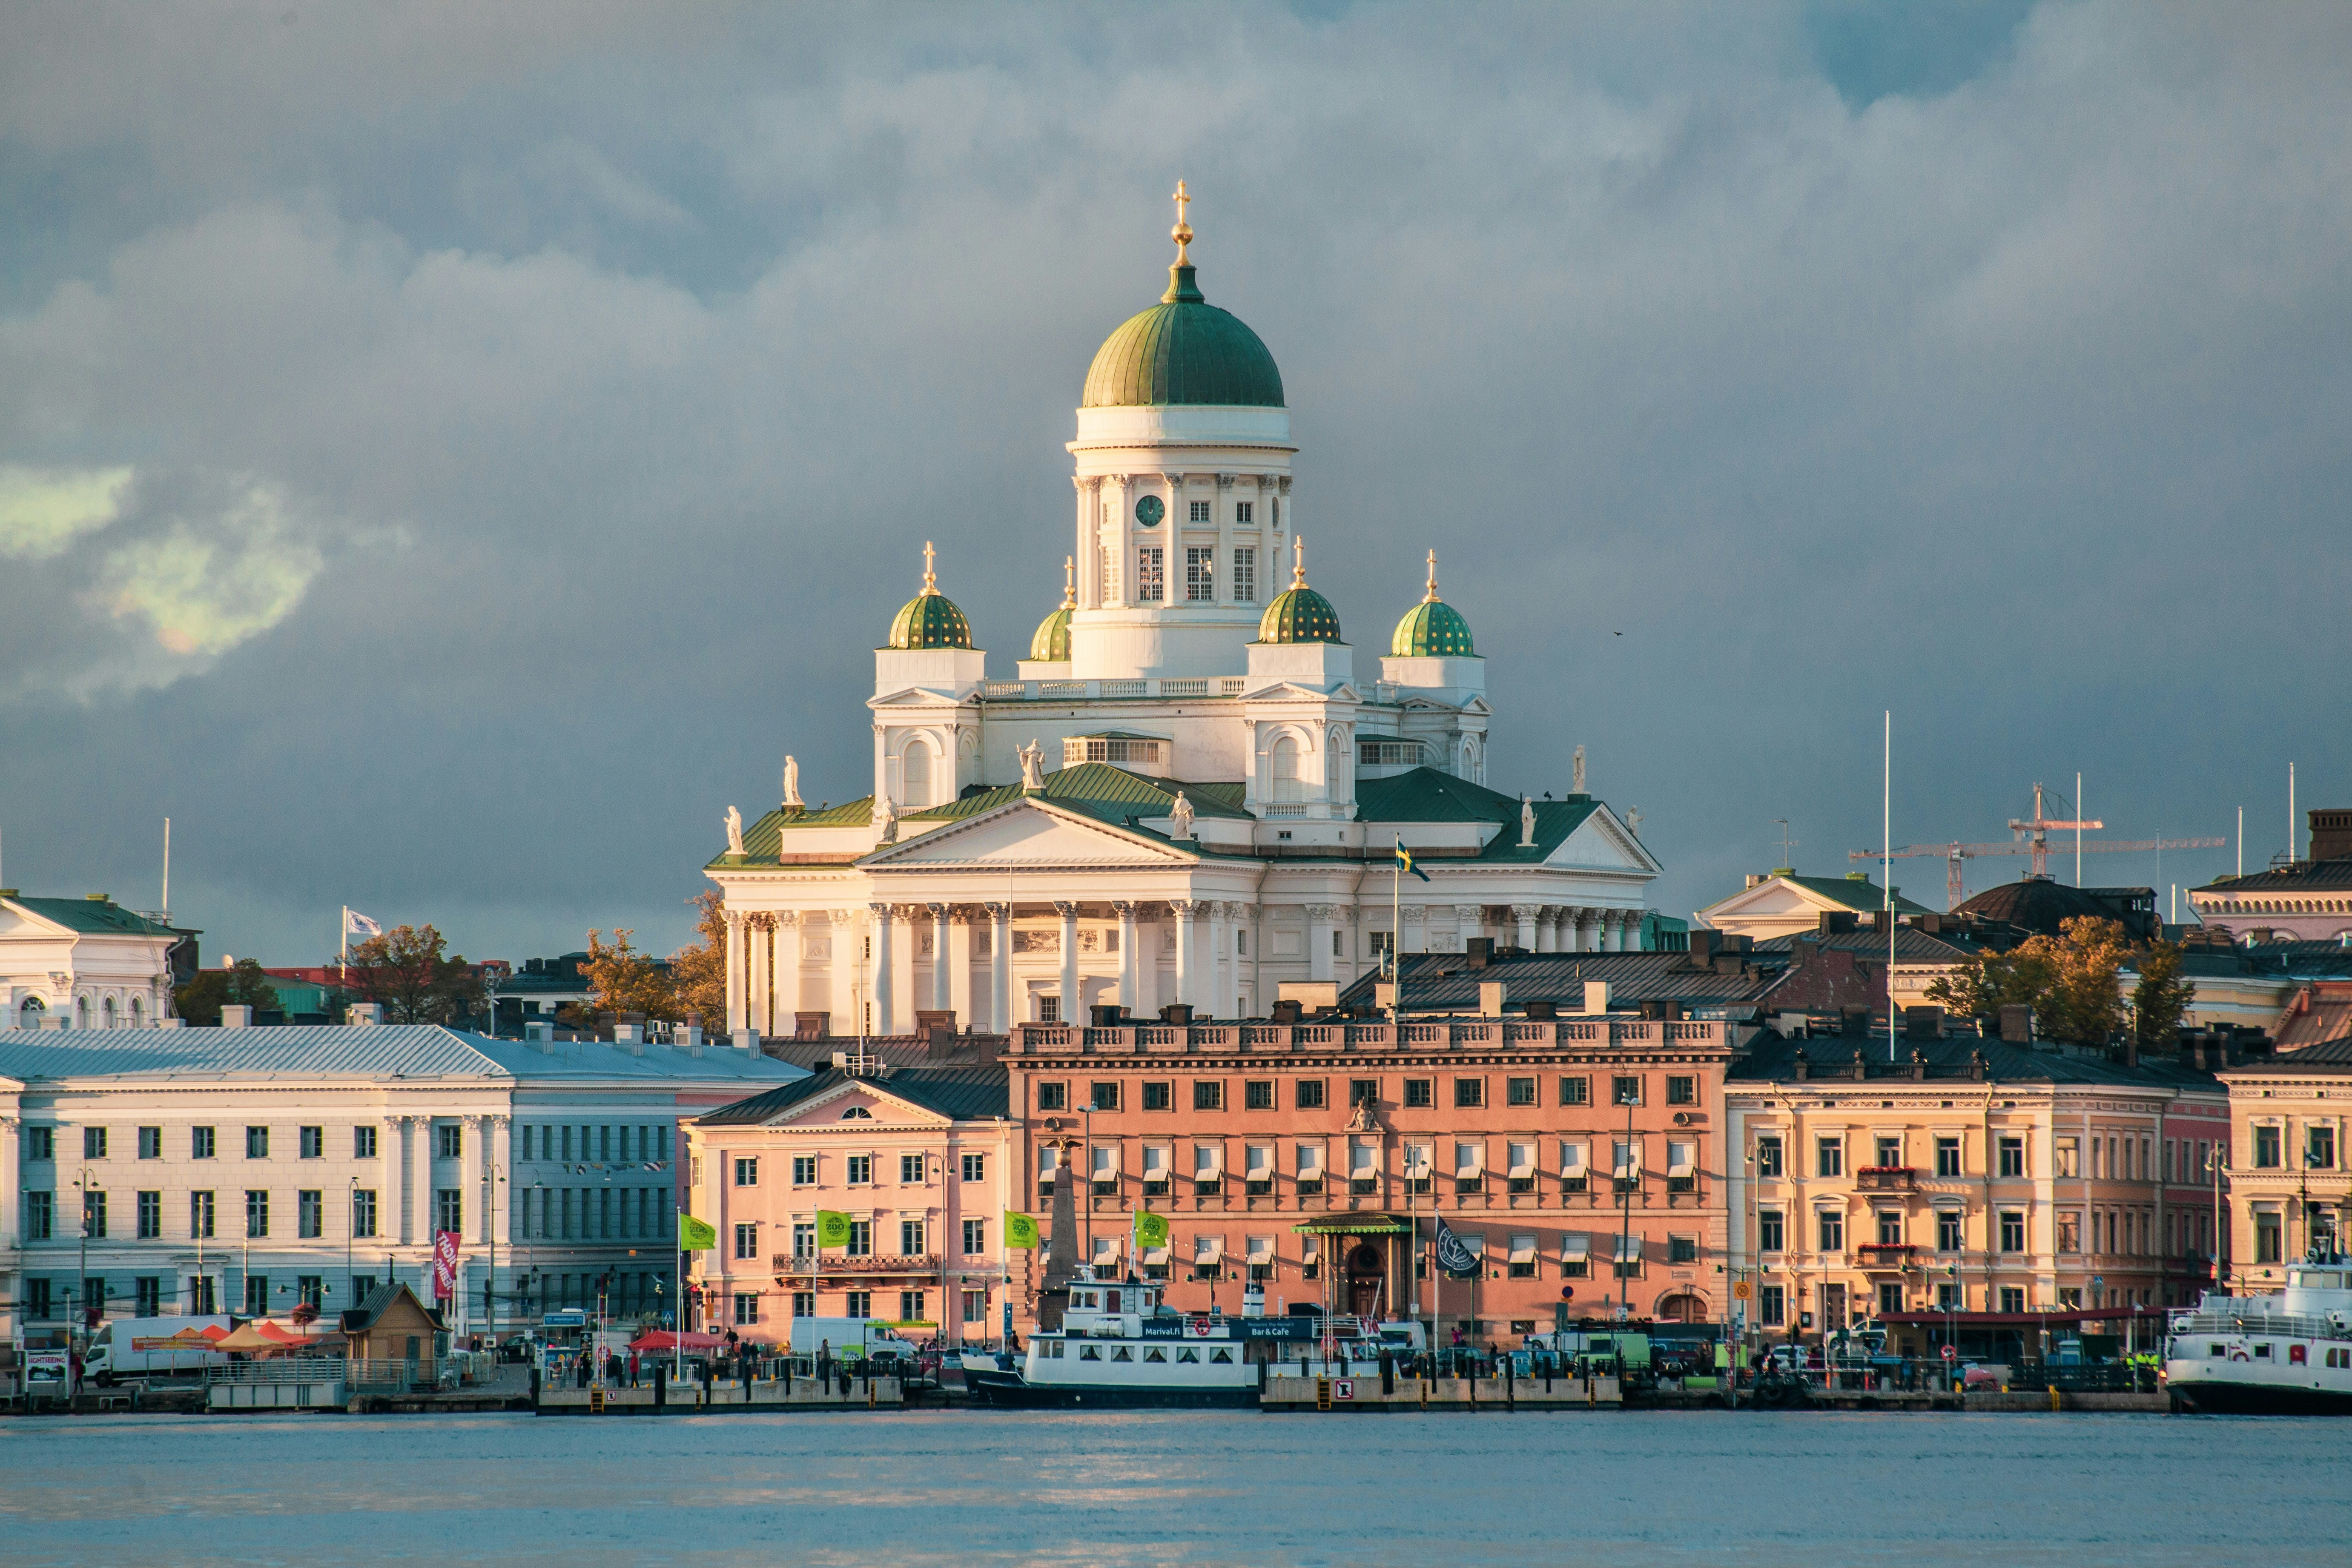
[(1466, 1395), (760, 1396)]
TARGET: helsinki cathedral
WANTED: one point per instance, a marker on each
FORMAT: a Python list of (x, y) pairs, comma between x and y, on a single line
[(1192, 789)]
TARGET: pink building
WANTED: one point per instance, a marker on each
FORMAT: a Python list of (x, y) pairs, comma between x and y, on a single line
[(920, 1159)]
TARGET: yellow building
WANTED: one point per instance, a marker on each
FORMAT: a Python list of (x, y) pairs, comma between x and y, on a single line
[(2288, 1184), (1967, 1175)]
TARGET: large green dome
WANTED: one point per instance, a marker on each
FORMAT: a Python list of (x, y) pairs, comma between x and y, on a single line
[(1182, 349), (931, 618), (1432, 628)]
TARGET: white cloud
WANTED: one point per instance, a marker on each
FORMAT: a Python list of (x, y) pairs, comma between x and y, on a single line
[(201, 588), (44, 510)]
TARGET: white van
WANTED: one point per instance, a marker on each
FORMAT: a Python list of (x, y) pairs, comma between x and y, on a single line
[(151, 1347), (849, 1339)]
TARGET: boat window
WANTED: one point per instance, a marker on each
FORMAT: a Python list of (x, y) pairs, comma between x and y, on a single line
[(1122, 1353), (2295, 1357), (1156, 1354), (2263, 1350), (1053, 1350), (1187, 1353), (2220, 1352), (1223, 1358), (1090, 1352)]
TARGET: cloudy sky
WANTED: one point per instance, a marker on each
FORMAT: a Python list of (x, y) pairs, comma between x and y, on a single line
[(450, 453)]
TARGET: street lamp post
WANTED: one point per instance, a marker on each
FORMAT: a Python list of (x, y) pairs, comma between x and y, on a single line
[(350, 1228)]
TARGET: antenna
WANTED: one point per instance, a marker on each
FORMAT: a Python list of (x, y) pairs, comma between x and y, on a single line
[(1886, 856), (1786, 843), (167, 871)]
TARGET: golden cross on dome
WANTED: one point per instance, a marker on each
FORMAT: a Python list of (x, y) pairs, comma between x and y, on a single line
[(1069, 581), (931, 578), (1182, 233), (1432, 579), (1298, 561)]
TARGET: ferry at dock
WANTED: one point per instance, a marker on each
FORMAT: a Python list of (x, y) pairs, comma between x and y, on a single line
[(1120, 1345), (2287, 1353)]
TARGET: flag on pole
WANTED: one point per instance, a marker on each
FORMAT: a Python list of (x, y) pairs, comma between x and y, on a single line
[(832, 1228), (1150, 1229), (1020, 1230), (1458, 1261), (358, 924), (445, 1265), (695, 1235), (1405, 860)]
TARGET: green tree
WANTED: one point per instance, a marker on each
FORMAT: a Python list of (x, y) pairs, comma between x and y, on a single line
[(2072, 982), (244, 984), (697, 972), (405, 972), (2161, 997)]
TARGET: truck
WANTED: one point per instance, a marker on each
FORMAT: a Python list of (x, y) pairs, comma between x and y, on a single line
[(151, 1348), (851, 1339)]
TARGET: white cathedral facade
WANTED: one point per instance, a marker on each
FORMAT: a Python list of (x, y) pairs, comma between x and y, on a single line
[(1191, 790)]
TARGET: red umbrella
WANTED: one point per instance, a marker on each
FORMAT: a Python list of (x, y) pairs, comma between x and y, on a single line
[(662, 1340)]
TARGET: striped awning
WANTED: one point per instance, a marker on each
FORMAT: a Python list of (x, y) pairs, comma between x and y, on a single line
[(1354, 1225)]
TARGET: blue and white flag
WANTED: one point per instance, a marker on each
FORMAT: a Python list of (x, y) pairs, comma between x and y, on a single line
[(358, 924), (1456, 1259)]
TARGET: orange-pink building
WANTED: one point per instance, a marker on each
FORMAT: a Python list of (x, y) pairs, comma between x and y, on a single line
[(1580, 1159)]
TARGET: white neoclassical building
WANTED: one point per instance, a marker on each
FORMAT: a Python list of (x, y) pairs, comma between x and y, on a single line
[(248, 1169), (84, 964), (1192, 790)]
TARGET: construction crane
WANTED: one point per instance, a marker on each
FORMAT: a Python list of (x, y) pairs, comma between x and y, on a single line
[(2035, 840)]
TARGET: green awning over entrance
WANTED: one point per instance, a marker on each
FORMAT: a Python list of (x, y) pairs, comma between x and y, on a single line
[(1355, 1225)]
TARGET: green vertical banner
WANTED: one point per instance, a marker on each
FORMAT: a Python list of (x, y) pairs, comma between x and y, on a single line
[(832, 1228), (1020, 1229), (696, 1236), (1150, 1229)]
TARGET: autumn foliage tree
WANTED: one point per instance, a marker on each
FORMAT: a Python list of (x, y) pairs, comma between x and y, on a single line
[(243, 985), (623, 980), (698, 971), (405, 972), (2073, 984)]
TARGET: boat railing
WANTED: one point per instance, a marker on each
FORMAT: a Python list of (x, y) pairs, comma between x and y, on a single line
[(2282, 1325)]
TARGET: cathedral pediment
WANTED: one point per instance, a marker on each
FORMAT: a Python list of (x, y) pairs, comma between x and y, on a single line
[(1033, 834), (1600, 842), (916, 696)]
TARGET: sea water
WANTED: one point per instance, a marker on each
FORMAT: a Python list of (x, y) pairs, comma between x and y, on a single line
[(973, 1487)]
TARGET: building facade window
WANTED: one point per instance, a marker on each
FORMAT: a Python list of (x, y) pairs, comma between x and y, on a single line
[(1469, 1092), (746, 1308), (1767, 1157), (1947, 1230), (1208, 1094), (201, 1143), (151, 1147), (1520, 1091), (1947, 1157), (448, 1210), (150, 1220), (2012, 1230), (804, 1170), (93, 1214), (363, 1141), (1829, 1157), (1199, 574), (857, 1303), (1772, 1305), (256, 1213), (256, 1142), (363, 1213), (2012, 1157), (1420, 1093), (2267, 1143), (94, 1142), (1832, 1231), (1150, 576), (314, 1142), (309, 1213), (1772, 1231), (746, 1241), (1246, 573), (200, 1217), (746, 1172), (975, 1237), (1681, 1090)]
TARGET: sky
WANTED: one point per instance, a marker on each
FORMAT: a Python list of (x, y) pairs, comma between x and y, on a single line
[(449, 454)]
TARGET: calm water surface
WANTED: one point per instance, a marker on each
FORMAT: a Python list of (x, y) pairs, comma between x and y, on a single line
[(1179, 1487)]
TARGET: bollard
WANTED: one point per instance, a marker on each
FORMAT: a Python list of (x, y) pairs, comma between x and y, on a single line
[(2053, 1396), (1388, 1374), (534, 1385), (661, 1375)]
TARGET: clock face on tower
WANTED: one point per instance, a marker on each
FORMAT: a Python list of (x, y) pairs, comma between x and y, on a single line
[(1149, 510)]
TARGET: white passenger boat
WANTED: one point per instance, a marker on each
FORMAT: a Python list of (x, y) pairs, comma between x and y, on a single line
[(2288, 1353), (1119, 1345)]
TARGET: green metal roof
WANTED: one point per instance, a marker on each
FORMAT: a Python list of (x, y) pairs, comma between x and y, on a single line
[(93, 915), (1299, 615), (930, 619), (1182, 350), (1854, 892), (963, 1094), (1425, 794), (1431, 629)]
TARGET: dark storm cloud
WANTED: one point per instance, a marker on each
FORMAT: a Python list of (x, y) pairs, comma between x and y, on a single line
[(533, 418)]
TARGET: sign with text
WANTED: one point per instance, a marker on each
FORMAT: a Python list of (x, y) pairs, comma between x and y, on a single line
[(445, 1265)]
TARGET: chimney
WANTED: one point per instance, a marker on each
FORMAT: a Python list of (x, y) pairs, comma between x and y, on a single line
[(1923, 1023), (1702, 947), (1918, 1063), (748, 1041), (236, 1016), (628, 1034), (1802, 1065), (365, 1013), (1490, 998), (2017, 1025), (1480, 951), (1596, 997), (1977, 1066), (2331, 834), (689, 1037), (539, 1034)]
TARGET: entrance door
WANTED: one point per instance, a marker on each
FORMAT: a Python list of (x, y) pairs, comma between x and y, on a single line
[(1833, 1315), (1365, 1276)]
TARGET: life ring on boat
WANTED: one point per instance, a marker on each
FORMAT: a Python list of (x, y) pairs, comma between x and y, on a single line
[(2237, 1355)]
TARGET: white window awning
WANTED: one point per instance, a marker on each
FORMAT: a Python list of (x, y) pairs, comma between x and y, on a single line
[(1523, 1250), (1628, 1160), (1629, 1249), (1261, 1161), (1523, 1159), (1261, 1250), (1310, 1248), (1681, 1158), (1208, 1249), (1572, 1158), (1049, 1159), (1155, 1161), (1469, 1159), (1105, 1162), (1208, 1159), (1310, 1159), (1363, 1158), (1475, 1242), (1155, 1255), (1107, 1246), (1418, 1158), (1575, 1246)]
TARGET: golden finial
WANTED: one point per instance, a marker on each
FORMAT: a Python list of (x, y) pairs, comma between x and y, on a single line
[(931, 578), (1069, 581), (1182, 233), (1431, 597), (1298, 561)]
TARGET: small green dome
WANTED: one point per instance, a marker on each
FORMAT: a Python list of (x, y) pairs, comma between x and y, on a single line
[(1051, 643), (1432, 628), (931, 618), (1298, 613)]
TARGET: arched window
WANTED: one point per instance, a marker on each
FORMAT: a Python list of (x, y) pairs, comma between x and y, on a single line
[(81, 1012), (1285, 758), (138, 1014), (29, 1013), (915, 776), (106, 1013)]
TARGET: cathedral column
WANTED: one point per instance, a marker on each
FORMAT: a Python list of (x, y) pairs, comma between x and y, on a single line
[(960, 968), (1319, 942), (1615, 931), (1415, 937), (1223, 593), (1236, 918), (1074, 1009), (755, 971), (1470, 920), (1547, 931), (420, 1178), (1147, 963), (1214, 967), (784, 968), (1183, 909), (1524, 917), (734, 971), (884, 1019), (999, 968), (1110, 543), (1282, 518), (942, 965), (1130, 962), (1353, 965), (846, 944), (1089, 539), (1588, 930), (10, 1185)]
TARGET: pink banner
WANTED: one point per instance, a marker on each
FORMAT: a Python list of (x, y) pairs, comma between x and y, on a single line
[(445, 1265)]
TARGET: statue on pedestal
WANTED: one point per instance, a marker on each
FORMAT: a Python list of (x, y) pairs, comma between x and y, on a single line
[(734, 831), (1526, 823), (1180, 823), (1032, 766), (792, 803), (1579, 785)]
